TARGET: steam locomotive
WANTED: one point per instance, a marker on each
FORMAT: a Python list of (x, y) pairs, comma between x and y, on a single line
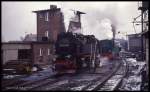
[(75, 51)]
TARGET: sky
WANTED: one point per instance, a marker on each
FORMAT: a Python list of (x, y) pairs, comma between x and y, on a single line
[(19, 20)]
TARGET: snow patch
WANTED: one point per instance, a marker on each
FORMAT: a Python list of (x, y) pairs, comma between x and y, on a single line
[(10, 76), (132, 83), (39, 75), (78, 88)]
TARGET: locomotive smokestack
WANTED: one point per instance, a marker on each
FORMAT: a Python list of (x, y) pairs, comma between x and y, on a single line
[(114, 33), (113, 30)]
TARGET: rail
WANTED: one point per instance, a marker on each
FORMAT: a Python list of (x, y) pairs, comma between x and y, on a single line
[(99, 84), (125, 74), (118, 82)]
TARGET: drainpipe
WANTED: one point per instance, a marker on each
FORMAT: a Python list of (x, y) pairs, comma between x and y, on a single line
[(142, 50)]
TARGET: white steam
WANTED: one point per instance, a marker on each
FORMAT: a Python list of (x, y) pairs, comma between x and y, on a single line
[(96, 21)]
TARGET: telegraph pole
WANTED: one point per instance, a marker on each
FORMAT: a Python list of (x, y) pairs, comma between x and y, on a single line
[(142, 49)]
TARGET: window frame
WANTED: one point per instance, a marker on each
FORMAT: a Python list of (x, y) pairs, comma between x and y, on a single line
[(46, 16), (40, 15), (41, 52), (47, 33), (48, 51)]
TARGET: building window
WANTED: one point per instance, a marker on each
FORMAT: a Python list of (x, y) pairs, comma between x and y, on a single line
[(46, 16), (48, 51), (40, 51), (41, 15), (47, 33)]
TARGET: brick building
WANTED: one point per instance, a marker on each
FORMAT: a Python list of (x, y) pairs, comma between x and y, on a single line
[(50, 23), (13, 51), (35, 52), (39, 50), (42, 52)]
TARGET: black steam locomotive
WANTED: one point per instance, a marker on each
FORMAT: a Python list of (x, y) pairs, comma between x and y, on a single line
[(75, 51)]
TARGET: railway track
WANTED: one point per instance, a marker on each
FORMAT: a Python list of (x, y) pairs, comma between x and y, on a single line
[(90, 82), (7, 83), (126, 70), (100, 83), (74, 84), (29, 85), (15, 81), (69, 83), (115, 80)]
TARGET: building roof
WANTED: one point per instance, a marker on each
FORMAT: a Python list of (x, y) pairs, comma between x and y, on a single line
[(135, 35), (27, 42), (16, 42), (30, 37), (51, 10), (145, 33)]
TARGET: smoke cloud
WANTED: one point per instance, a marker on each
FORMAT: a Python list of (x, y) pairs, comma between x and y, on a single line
[(97, 20)]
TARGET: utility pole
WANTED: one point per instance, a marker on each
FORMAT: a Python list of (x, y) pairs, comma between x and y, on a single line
[(142, 11)]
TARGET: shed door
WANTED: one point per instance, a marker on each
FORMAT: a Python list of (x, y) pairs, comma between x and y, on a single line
[(24, 54)]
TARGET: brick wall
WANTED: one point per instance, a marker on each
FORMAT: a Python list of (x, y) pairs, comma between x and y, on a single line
[(54, 24), (44, 58)]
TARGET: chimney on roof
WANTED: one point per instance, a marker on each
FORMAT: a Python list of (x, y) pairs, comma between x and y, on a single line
[(53, 7)]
